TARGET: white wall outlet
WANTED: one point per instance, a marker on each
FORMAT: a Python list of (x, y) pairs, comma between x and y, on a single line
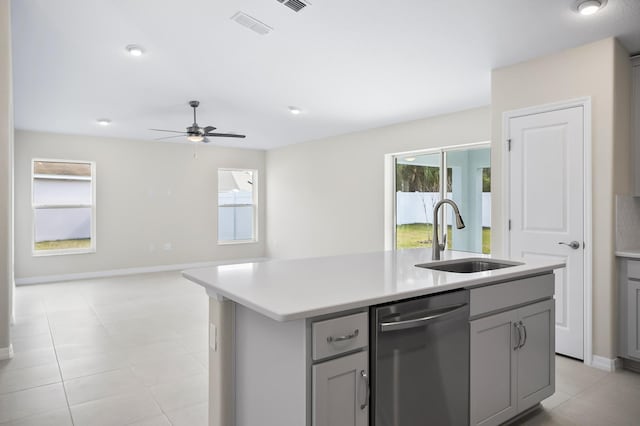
[(152, 247), (167, 246)]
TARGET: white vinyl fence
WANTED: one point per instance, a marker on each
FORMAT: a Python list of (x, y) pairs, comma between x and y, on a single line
[(417, 207)]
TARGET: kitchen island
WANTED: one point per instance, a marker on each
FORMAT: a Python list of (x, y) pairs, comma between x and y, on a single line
[(277, 326)]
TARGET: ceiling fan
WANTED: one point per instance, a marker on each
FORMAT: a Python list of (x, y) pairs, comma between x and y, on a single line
[(196, 133)]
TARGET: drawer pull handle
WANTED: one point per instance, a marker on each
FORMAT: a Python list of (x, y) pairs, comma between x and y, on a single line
[(353, 335)]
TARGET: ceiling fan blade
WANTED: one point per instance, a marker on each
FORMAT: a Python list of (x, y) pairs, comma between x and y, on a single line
[(172, 131), (209, 129), (225, 135), (169, 137)]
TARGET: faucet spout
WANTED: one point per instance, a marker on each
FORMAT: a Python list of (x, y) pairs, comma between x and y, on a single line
[(437, 247)]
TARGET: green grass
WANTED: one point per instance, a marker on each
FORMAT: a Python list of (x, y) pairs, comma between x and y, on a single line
[(420, 235), (83, 243)]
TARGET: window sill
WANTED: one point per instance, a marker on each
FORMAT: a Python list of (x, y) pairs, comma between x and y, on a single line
[(46, 253), (232, 243)]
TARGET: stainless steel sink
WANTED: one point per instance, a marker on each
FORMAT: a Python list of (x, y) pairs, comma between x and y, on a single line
[(469, 265)]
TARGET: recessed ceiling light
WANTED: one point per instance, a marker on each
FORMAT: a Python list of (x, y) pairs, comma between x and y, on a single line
[(410, 159), (294, 110), (135, 50), (589, 7), (103, 121)]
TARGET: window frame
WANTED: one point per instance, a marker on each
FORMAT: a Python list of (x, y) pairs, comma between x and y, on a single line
[(254, 204), (34, 208), (443, 150)]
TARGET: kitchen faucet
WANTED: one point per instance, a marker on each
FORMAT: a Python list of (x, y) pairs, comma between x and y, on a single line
[(459, 224)]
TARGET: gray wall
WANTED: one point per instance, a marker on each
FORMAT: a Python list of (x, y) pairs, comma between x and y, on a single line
[(6, 172), (148, 194), (601, 70), (327, 197)]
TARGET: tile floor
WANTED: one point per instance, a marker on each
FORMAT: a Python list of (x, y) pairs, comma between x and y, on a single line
[(117, 351), (133, 351)]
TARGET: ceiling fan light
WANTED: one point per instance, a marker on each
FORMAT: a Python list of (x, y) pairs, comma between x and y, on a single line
[(103, 121), (195, 138), (589, 7), (294, 110)]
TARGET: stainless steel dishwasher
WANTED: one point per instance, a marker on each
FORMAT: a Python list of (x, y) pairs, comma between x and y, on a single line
[(420, 361)]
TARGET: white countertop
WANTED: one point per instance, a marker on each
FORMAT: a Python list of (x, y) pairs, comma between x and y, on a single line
[(630, 253), (286, 290)]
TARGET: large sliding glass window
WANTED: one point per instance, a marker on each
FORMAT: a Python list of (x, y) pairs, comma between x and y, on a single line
[(424, 178)]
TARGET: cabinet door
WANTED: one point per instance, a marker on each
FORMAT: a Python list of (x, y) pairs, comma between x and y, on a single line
[(633, 319), (536, 356), (492, 369), (341, 391)]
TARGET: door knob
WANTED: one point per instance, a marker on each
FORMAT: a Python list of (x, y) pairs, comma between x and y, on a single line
[(573, 244)]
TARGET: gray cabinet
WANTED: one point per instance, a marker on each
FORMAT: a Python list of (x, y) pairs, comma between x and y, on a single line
[(340, 391), (629, 302), (633, 318), (512, 362)]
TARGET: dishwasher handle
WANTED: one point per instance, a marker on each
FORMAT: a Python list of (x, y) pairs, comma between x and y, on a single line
[(419, 322)]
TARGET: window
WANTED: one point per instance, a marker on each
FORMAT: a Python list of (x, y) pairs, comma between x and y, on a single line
[(63, 200), (419, 185), (237, 206)]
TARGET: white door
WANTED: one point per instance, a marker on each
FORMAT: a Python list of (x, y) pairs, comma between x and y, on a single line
[(546, 208)]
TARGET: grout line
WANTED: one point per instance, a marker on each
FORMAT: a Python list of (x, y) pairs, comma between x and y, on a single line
[(55, 351)]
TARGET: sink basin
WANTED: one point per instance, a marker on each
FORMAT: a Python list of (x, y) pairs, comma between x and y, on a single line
[(469, 265)]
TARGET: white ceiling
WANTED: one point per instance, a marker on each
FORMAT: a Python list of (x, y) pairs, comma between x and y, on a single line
[(350, 65)]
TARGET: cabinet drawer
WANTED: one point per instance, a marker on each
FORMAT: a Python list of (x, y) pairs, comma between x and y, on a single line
[(338, 335), (492, 298), (633, 269)]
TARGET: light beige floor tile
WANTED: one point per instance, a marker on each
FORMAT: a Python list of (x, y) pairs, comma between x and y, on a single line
[(31, 343), (555, 400), (30, 326), (203, 358), (544, 418), (196, 415), (25, 378), (588, 414), (116, 410), (92, 364), (166, 369), (28, 359), (102, 385), (154, 421), (166, 349), (80, 350), (181, 393), (61, 417), (31, 402)]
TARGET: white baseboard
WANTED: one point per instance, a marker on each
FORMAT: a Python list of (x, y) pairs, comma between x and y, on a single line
[(128, 271), (6, 353), (606, 364)]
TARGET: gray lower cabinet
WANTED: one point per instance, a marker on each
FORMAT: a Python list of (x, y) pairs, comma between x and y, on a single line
[(633, 319), (340, 391), (511, 362)]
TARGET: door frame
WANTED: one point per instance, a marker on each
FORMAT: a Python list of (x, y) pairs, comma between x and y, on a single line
[(585, 103)]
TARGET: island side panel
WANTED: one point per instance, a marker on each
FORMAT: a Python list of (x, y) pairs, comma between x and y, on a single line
[(271, 370), (221, 362)]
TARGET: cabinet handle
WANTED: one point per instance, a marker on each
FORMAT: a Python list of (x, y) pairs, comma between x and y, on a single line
[(353, 335), (365, 378), (524, 329), (517, 327)]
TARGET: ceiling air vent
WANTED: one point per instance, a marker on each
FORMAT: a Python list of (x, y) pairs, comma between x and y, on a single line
[(295, 5), (252, 23)]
